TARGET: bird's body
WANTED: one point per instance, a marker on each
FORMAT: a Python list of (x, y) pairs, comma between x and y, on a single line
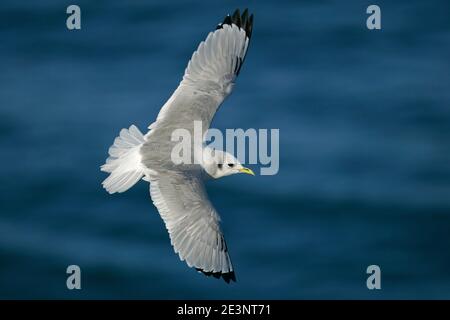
[(177, 189)]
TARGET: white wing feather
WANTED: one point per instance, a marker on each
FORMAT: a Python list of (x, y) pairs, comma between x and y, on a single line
[(192, 222)]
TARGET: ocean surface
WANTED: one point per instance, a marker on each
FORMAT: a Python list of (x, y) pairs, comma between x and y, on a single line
[(364, 120)]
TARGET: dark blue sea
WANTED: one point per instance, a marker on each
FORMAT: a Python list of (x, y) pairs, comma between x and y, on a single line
[(364, 179)]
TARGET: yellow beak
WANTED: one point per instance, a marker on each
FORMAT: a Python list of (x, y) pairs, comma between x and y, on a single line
[(247, 171)]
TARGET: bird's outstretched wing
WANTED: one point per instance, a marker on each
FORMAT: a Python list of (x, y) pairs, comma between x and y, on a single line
[(192, 223), (207, 81), (218, 60)]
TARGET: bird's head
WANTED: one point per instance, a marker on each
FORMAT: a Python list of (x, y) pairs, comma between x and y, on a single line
[(219, 164)]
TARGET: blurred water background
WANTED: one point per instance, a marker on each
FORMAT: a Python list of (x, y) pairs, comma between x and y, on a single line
[(364, 119)]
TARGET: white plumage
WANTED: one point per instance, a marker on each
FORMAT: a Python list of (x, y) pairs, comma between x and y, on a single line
[(177, 190), (124, 162)]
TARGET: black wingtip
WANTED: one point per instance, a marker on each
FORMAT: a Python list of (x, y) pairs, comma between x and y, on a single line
[(244, 18), (237, 18), (243, 21), (227, 277), (249, 26)]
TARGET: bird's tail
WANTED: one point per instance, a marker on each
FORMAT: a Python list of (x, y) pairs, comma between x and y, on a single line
[(124, 162)]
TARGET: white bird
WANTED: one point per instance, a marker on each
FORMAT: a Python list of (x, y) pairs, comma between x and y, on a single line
[(177, 190)]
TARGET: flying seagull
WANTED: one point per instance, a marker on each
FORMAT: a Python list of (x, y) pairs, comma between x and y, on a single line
[(177, 190)]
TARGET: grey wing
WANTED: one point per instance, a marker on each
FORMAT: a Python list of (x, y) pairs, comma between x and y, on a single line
[(192, 223), (207, 81)]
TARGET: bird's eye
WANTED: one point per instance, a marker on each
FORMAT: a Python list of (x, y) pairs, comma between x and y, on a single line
[(231, 165), (220, 165)]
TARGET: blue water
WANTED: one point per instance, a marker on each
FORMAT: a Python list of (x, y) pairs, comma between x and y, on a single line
[(364, 119)]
